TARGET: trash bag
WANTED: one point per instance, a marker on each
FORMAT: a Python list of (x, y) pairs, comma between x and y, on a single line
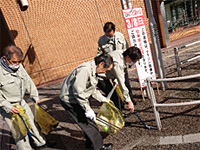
[(109, 113), (46, 122), (18, 128)]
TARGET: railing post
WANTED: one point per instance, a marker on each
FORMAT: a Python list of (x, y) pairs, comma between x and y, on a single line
[(153, 102), (178, 66)]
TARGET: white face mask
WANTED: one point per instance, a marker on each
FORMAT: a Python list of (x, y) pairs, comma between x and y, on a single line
[(13, 67), (111, 38), (130, 64)]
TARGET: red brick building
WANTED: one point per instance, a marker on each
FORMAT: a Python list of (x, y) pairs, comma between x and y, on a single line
[(57, 35)]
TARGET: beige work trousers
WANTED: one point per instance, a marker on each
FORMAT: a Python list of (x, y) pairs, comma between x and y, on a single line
[(24, 144)]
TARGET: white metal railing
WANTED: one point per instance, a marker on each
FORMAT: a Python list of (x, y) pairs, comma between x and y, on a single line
[(178, 62), (153, 99)]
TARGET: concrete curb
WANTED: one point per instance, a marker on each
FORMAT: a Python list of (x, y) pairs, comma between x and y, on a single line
[(163, 140)]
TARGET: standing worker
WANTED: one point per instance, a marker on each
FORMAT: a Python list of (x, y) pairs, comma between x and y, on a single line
[(76, 89), (119, 71), (111, 40), (14, 82)]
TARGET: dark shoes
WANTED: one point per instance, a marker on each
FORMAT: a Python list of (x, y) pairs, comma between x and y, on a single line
[(50, 143), (41, 147), (88, 146), (107, 146)]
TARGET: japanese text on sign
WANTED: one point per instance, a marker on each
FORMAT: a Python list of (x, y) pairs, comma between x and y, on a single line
[(136, 29)]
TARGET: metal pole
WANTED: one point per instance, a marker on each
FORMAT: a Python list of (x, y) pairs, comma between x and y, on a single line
[(153, 102), (123, 3), (129, 3), (164, 22), (146, 126), (156, 45), (111, 92), (177, 61)]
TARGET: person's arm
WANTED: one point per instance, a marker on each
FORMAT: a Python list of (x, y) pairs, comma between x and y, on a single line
[(98, 96), (100, 51), (125, 43), (6, 105), (31, 89), (120, 76), (30, 86)]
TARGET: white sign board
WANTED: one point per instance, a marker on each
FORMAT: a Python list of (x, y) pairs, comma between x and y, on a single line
[(137, 33)]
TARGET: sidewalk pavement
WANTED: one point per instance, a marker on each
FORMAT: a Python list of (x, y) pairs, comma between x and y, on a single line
[(183, 41), (69, 136)]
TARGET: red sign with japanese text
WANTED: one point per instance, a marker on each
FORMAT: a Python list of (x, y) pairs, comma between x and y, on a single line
[(136, 29)]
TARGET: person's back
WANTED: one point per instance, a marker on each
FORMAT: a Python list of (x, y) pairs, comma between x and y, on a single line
[(118, 62), (77, 80)]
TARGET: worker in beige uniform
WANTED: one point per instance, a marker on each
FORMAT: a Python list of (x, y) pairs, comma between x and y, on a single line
[(76, 89), (121, 61), (111, 40), (14, 82)]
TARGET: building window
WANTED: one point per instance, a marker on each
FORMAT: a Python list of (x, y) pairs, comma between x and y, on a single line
[(182, 14)]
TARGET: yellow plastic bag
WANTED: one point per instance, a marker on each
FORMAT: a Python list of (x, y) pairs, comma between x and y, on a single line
[(119, 92), (18, 127), (46, 122), (111, 114)]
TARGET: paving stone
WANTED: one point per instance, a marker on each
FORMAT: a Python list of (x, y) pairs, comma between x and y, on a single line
[(191, 138), (170, 140)]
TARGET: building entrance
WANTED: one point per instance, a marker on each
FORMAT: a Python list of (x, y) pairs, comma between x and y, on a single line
[(5, 37), (181, 14)]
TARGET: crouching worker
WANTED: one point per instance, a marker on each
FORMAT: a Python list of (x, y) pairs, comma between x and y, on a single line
[(14, 82), (119, 71), (76, 89)]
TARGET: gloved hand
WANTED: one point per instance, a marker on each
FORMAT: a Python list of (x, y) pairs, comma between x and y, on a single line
[(104, 100), (91, 115), (115, 81)]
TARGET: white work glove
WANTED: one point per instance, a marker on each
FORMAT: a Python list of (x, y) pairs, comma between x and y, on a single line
[(104, 100), (115, 81), (91, 115)]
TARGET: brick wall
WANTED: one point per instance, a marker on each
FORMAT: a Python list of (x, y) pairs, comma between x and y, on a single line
[(63, 33)]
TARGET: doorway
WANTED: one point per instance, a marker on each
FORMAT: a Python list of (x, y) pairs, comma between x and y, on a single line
[(5, 36)]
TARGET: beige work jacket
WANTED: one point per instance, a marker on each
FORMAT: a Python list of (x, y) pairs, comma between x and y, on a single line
[(80, 84), (106, 45), (118, 72), (13, 87)]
